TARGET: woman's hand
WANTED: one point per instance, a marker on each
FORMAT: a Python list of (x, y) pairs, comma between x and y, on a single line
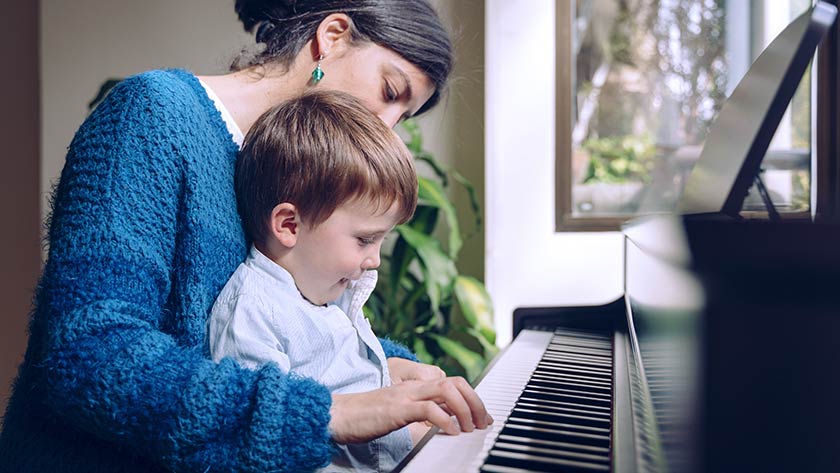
[(407, 370), (362, 417)]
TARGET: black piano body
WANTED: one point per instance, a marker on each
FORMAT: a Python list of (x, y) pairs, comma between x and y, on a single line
[(726, 347)]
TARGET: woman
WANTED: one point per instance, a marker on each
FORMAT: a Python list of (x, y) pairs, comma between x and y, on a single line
[(144, 234)]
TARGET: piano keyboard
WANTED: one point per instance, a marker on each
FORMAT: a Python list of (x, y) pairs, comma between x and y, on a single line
[(551, 397)]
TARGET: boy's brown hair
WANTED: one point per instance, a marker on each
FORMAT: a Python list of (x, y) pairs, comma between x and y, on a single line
[(317, 152)]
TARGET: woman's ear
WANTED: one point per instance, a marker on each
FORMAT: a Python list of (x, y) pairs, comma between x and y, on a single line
[(333, 34), (285, 222)]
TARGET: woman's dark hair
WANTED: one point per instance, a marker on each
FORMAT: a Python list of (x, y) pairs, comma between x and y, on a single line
[(411, 28)]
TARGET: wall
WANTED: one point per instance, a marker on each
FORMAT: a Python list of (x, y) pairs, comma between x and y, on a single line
[(454, 130), (527, 263), (19, 241), (85, 42)]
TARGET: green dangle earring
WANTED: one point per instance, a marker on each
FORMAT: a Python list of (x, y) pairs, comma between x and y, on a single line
[(318, 73)]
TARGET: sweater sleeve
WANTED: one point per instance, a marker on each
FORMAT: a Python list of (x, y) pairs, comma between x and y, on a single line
[(395, 349), (108, 364)]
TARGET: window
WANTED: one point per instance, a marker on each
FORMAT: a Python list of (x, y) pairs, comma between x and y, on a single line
[(639, 84)]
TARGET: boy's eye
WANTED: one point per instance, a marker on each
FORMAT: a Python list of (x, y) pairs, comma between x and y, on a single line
[(364, 241)]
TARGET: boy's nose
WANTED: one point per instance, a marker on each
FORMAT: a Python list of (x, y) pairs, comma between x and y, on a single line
[(371, 262)]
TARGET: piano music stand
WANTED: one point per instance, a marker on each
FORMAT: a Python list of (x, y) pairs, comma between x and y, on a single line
[(737, 142)]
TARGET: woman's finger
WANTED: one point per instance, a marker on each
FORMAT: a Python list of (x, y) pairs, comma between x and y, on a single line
[(480, 417)]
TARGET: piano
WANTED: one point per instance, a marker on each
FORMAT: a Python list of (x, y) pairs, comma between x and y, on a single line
[(722, 355)]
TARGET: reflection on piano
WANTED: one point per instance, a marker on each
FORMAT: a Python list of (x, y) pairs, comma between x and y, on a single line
[(721, 355)]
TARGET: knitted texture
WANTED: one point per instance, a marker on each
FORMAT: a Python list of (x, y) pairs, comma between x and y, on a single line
[(144, 234)]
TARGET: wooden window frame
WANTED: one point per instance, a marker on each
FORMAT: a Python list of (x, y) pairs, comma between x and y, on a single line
[(564, 65), (827, 205)]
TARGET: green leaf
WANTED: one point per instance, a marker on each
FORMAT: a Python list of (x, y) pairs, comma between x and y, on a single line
[(401, 257), (436, 166), (476, 305), (490, 349), (425, 219), (474, 204), (422, 352), (431, 193), (472, 362), (438, 269), (415, 137)]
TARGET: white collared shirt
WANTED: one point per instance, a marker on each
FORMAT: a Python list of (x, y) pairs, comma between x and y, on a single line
[(261, 317)]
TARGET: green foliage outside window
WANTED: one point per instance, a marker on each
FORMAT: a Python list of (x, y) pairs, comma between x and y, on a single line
[(619, 159)]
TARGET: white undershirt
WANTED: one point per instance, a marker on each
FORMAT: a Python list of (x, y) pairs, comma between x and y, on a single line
[(232, 127)]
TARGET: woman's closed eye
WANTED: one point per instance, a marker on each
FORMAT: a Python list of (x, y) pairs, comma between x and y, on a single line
[(390, 93)]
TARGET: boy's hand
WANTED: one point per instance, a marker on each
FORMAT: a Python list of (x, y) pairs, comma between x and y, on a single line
[(406, 370)]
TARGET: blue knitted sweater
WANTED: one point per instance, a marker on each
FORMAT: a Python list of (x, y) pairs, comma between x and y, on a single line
[(144, 234)]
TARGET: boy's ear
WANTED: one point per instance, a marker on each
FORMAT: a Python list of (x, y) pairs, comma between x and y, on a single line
[(285, 222), (334, 33)]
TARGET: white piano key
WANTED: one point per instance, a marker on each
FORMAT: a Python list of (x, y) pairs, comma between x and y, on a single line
[(499, 389)]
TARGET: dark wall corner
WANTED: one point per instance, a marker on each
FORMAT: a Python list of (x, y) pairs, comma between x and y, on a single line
[(20, 248)]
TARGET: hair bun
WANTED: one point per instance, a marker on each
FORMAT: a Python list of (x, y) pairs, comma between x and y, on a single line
[(257, 13)]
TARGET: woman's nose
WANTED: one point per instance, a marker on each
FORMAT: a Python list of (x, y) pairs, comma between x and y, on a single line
[(391, 116)]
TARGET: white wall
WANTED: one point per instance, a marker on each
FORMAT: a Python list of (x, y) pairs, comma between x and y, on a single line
[(527, 263)]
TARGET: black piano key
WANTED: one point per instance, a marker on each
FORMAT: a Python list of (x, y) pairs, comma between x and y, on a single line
[(548, 415), (586, 412), (581, 333), (594, 361), (520, 418), (555, 434), (560, 344), (559, 348), (540, 463), (578, 351), (504, 469), (575, 381), (552, 452), (554, 395), (591, 372), (562, 420), (603, 451), (571, 389), (587, 408)]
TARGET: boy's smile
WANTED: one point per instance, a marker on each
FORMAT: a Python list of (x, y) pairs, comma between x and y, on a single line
[(326, 258)]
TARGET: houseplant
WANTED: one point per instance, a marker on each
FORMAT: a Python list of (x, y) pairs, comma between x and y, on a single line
[(421, 300)]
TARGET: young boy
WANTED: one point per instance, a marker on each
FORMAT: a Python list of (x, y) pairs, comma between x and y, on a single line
[(319, 182)]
